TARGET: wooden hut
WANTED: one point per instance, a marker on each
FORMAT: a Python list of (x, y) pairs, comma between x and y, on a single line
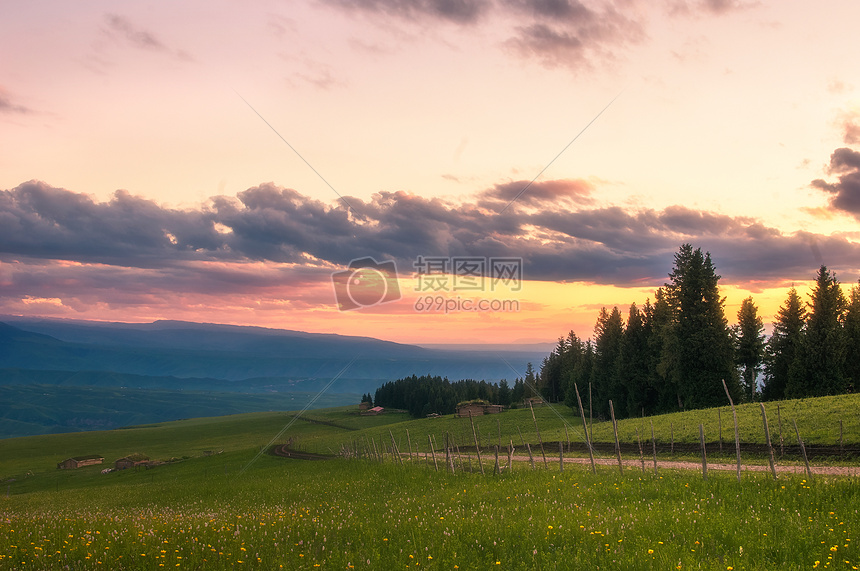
[(80, 461), (131, 461)]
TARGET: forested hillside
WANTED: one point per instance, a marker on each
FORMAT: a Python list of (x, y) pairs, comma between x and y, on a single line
[(673, 353)]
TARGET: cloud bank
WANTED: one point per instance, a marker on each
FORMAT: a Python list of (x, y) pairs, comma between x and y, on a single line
[(844, 195), (268, 235), (558, 33)]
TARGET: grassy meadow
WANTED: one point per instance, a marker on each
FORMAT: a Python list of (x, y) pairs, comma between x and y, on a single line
[(240, 508)]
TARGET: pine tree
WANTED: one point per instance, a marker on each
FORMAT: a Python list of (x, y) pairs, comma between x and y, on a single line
[(703, 352), (504, 393), (820, 370), (749, 348), (635, 362), (852, 340), (530, 382), (663, 353), (784, 346), (581, 376), (608, 332), (551, 373)]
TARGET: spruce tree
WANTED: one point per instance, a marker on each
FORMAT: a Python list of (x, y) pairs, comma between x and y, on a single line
[(608, 332), (701, 340), (820, 370), (749, 348), (634, 363), (581, 376), (530, 382), (784, 346), (662, 350), (852, 340)]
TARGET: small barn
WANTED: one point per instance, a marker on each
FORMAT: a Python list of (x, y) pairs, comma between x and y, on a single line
[(478, 408), (80, 461), (534, 402), (131, 461), (467, 409), (373, 411)]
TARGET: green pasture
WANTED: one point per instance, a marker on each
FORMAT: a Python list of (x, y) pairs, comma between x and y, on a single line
[(241, 507), (232, 511)]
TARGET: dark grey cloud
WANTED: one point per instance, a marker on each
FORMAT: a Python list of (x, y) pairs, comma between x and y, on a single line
[(553, 10), (558, 33), (570, 34), (120, 28), (41, 221), (562, 240), (852, 133), (720, 6), (705, 7), (11, 107), (456, 11), (538, 192), (845, 193)]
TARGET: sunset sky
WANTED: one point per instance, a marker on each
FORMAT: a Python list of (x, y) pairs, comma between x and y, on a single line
[(217, 161)]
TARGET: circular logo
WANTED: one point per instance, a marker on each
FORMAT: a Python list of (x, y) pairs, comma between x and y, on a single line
[(367, 286)]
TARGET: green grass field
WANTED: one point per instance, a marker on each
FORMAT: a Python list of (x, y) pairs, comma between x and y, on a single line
[(241, 508)]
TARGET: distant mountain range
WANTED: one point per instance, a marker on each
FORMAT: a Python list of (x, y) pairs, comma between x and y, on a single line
[(211, 358), (237, 353)]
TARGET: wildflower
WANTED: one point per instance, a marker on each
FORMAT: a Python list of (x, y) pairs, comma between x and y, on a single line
[(650, 552)]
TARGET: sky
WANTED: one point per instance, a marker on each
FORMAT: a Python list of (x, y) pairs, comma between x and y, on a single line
[(221, 161)]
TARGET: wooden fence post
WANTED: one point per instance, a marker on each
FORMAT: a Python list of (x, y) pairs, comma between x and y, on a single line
[(641, 456), (737, 436), (511, 456), (767, 437), (531, 458), (409, 443), (720, 421), (585, 428), (615, 430), (590, 416), (704, 455), (840, 435), (540, 440), (672, 436), (802, 450), (394, 448), (781, 442), (433, 452), (477, 444), (560, 456), (654, 447), (449, 452)]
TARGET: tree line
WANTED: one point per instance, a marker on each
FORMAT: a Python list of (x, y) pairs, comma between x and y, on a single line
[(424, 395), (674, 353)]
